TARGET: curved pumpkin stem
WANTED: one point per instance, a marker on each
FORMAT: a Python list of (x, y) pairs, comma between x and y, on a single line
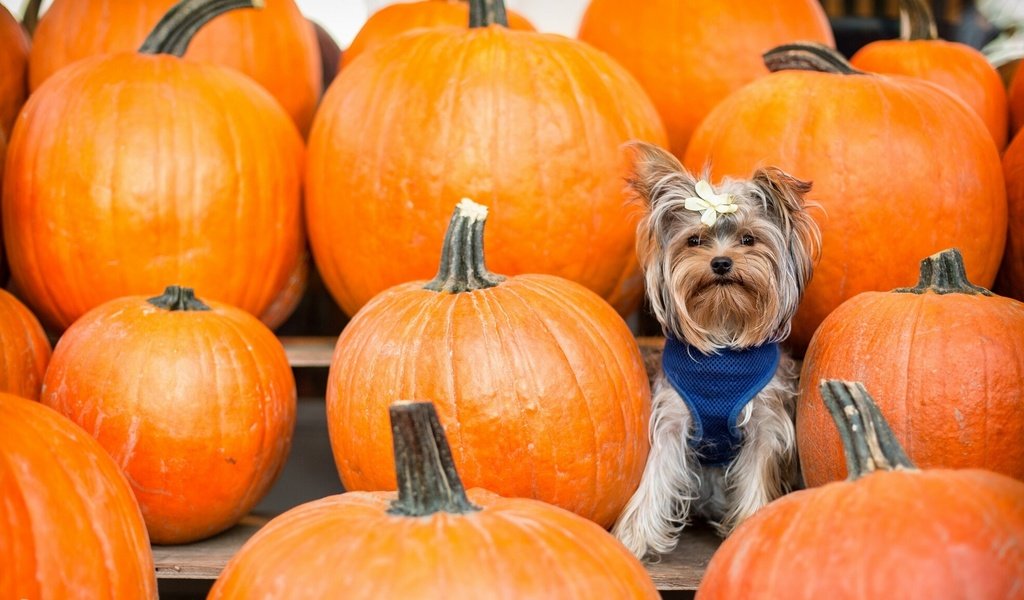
[(487, 12), (917, 21), (462, 254), (808, 56), (427, 480), (178, 298), (175, 31), (30, 18), (868, 442), (945, 273)]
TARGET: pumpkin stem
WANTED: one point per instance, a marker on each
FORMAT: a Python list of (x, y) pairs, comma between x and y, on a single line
[(462, 254), (427, 480), (178, 298), (808, 56), (176, 29), (487, 12), (917, 21), (868, 442), (944, 273), (30, 18)]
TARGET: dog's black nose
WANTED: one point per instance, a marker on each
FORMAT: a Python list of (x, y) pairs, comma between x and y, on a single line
[(721, 265)]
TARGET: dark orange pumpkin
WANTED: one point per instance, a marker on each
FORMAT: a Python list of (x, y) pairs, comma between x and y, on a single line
[(288, 300), (889, 531), (13, 70), (1010, 281), (396, 19), (170, 170), (195, 402), (946, 359), (24, 349), (69, 526), (276, 46), (538, 379), (529, 123), (900, 168), (431, 540), (957, 67), (1016, 101), (691, 54)]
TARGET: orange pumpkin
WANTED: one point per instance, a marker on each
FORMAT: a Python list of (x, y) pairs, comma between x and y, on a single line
[(195, 402), (207, 193), (957, 67), (288, 300), (431, 540), (901, 169), (396, 19), (691, 54), (1016, 101), (69, 526), (24, 349), (13, 70), (530, 122), (540, 381), (1010, 281), (889, 531), (276, 46), (946, 359)]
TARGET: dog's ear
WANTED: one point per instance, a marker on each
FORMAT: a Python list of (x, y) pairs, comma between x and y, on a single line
[(654, 171), (786, 205)]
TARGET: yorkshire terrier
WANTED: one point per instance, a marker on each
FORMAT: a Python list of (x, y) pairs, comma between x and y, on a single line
[(725, 268)]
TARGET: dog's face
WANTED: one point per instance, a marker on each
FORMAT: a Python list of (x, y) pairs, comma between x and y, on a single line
[(724, 266)]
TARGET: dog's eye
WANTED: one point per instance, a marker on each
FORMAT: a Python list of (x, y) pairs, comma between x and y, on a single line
[(747, 240), (693, 240)]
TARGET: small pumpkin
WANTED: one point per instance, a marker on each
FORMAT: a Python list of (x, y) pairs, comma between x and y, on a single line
[(1010, 281), (539, 379), (957, 67), (14, 49), (946, 359), (431, 540), (888, 531), (24, 349), (195, 401), (69, 526), (935, 182), (136, 193)]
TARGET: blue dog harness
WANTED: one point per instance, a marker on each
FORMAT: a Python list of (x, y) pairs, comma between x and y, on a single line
[(716, 387)]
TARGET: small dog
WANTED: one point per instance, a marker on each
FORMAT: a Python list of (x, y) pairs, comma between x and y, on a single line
[(725, 269)]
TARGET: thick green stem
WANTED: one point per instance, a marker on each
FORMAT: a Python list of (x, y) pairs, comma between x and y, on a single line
[(868, 442), (944, 273), (427, 480), (487, 12), (462, 254), (807, 56), (917, 21), (175, 31), (178, 298)]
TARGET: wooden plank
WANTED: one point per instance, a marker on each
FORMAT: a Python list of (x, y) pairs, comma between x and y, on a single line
[(680, 570)]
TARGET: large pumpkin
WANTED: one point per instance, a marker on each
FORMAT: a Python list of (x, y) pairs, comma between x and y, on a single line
[(24, 349), (431, 540), (946, 359), (129, 170), (396, 19), (69, 526), (195, 402), (276, 46), (901, 170), (889, 531), (529, 123), (957, 67), (1016, 100), (538, 379), (1010, 281), (690, 54), (13, 70)]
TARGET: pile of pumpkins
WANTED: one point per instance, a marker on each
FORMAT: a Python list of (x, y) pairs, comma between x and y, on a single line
[(186, 148)]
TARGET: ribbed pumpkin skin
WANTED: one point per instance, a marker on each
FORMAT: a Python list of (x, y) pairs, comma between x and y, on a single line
[(914, 535), (13, 70), (69, 526), (956, 67), (901, 170), (289, 298), (947, 372), (197, 408), (529, 124), (1016, 100), (348, 546), (206, 194), (274, 45), (1011, 274), (396, 19), (691, 54), (24, 349), (538, 383)]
